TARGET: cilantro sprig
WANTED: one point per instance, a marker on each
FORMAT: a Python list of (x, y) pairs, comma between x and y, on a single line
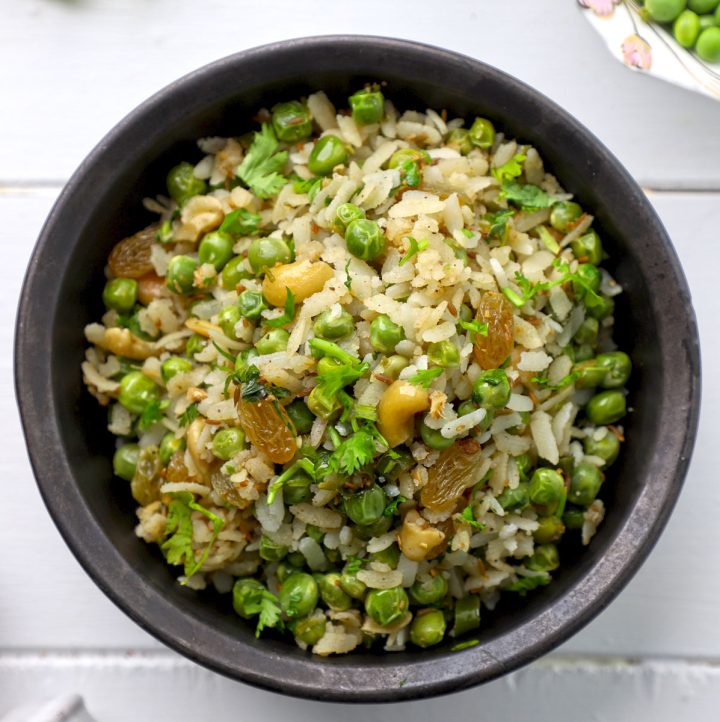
[(240, 222), (512, 169), (391, 508), (425, 377), (415, 248), (259, 169), (527, 196), (189, 415)]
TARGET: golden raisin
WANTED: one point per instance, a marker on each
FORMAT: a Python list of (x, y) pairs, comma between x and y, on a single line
[(496, 312), (130, 258), (268, 427), (150, 288), (453, 472)]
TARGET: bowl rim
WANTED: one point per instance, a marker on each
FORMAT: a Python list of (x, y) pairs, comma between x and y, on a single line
[(340, 679)]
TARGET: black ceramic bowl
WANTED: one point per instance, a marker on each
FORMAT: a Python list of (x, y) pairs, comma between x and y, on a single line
[(65, 429)]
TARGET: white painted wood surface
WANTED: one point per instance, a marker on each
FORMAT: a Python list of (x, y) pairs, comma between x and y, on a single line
[(70, 69)]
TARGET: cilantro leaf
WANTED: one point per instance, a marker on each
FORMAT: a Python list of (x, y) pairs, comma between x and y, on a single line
[(353, 565), (338, 377), (240, 222), (498, 223), (425, 377), (354, 452), (369, 413), (511, 169), (259, 169), (522, 585), (410, 173), (189, 415), (308, 186), (391, 508), (474, 327), (348, 279), (289, 313), (561, 384), (270, 612), (527, 197), (469, 518), (152, 413), (225, 354), (415, 248)]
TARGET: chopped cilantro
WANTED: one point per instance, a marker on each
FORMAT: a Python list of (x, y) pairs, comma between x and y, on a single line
[(289, 312), (354, 452), (153, 412), (498, 224), (527, 197), (410, 173), (512, 169), (522, 585), (474, 327), (338, 377), (301, 465), (225, 354), (259, 169), (415, 248), (391, 508), (425, 377), (369, 413), (306, 186), (353, 565), (561, 384), (189, 415), (469, 517), (270, 612), (320, 347), (240, 222), (348, 279)]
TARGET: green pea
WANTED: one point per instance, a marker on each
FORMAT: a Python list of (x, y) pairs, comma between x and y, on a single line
[(443, 353), (598, 307), (332, 592), (228, 442), (365, 239), (273, 341), (467, 407), (607, 407), (120, 294), (247, 597), (618, 367), (459, 140), (327, 153), (467, 614), (686, 28), (345, 214), (573, 518), (298, 595), (550, 529), (702, 6), (296, 490), (323, 404), (174, 365), (265, 253), (169, 446), (606, 448), (195, 344), (291, 122), (514, 499), (433, 438), (427, 628), (125, 461), (367, 106), (366, 506), (491, 389), (524, 465), (405, 155), (334, 325), (352, 586), (393, 365), (585, 484), (664, 11), (390, 466), (590, 374), (216, 248), (385, 334), (310, 629), (377, 528), (227, 318), (588, 331), (583, 352), (564, 214), (270, 551), (296, 559), (136, 391), (182, 183), (283, 570), (717, 16), (300, 415), (390, 556), (180, 274), (590, 274), (250, 305), (588, 247), (708, 45), (233, 273), (482, 133), (386, 606), (546, 490), (428, 589), (545, 559)]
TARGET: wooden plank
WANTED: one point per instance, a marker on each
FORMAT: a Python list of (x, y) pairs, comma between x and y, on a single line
[(670, 608), (78, 67), (164, 687)]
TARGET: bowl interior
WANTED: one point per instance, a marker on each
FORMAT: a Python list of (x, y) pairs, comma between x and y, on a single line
[(71, 449)]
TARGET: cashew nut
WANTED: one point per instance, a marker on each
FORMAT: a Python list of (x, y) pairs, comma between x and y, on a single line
[(199, 215), (204, 328), (195, 450), (397, 408), (417, 539), (122, 342), (303, 278)]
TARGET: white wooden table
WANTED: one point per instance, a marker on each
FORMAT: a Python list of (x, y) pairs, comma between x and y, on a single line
[(70, 70)]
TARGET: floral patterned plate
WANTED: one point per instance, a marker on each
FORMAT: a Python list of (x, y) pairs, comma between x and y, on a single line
[(649, 47)]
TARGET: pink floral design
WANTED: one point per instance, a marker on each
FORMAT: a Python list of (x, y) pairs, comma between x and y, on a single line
[(603, 8), (636, 53)]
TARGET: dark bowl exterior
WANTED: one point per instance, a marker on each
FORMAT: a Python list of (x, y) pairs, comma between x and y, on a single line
[(65, 429)]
